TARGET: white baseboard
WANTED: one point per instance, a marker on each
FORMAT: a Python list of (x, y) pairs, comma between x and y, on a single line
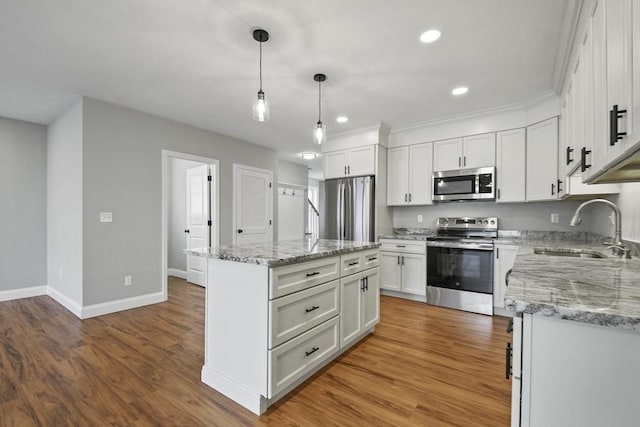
[(65, 301), (181, 274), (34, 291), (121, 305), (233, 390)]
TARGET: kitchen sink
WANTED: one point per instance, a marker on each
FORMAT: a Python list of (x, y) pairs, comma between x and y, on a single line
[(569, 252)]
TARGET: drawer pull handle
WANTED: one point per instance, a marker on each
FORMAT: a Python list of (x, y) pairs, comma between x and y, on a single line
[(313, 350), (309, 310), (507, 362), (315, 273), (401, 246), (373, 259), (354, 263)]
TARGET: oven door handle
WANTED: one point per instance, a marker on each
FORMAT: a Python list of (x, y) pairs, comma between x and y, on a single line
[(475, 246)]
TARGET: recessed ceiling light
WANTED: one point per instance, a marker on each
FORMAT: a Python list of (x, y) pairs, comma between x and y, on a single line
[(308, 156), (342, 119), (460, 90), (430, 36)]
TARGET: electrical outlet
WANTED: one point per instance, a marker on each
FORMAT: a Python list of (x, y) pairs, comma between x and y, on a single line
[(106, 216), (555, 218), (128, 280), (420, 218)]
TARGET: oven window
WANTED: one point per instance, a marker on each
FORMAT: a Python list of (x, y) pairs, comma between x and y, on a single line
[(461, 269), (454, 185)]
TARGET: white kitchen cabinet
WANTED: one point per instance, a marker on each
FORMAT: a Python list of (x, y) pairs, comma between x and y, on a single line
[(403, 268), (352, 162), (467, 152), (359, 304), (409, 172), (542, 160), (511, 165), (575, 374), (504, 256)]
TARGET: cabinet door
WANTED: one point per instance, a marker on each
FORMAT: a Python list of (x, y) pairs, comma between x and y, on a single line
[(390, 277), (597, 159), (619, 35), (542, 160), (420, 171), (447, 154), (504, 258), (397, 176), (371, 299), (414, 274), (335, 164), (361, 161), (350, 308), (479, 150), (511, 166)]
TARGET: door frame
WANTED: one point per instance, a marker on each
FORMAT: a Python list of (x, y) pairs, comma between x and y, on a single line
[(214, 205), (236, 166)]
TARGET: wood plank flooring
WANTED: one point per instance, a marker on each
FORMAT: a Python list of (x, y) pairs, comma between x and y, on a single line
[(424, 366)]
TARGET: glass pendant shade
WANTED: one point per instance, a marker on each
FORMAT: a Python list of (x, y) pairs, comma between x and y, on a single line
[(261, 108), (320, 133)]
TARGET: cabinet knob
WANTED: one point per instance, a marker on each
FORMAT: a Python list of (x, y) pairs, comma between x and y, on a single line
[(240, 230), (186, 231)]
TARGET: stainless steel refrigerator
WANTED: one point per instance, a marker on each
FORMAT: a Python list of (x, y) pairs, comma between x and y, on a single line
[(347, 209)]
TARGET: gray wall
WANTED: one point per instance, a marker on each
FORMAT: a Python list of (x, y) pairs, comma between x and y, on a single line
[(64, 204), (23, 154), (122, 174), (513, 216), (177, 212), (293, 173)]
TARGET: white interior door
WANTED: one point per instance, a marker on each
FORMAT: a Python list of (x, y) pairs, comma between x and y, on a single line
[(253, 206), (198, 229)]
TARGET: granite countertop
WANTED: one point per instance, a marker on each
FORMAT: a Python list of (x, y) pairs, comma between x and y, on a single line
[(599, 291), (283, 252), (410, 234)]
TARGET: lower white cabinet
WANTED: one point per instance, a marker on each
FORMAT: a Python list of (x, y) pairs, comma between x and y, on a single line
[(574, 374), (504, 256), (403, 267), (359, 304), (268, 329)]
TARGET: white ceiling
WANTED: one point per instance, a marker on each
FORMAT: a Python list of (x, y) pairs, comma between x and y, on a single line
[(196, 61)]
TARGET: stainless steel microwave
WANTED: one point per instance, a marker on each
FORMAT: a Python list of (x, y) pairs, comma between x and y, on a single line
[(464, 184)]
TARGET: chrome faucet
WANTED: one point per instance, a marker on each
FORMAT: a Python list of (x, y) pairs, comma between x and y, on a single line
[(616, 246)]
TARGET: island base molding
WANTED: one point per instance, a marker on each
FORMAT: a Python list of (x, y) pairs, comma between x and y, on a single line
[(253, 401)]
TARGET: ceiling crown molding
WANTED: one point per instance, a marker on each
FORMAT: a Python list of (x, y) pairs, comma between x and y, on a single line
[(567, 40)]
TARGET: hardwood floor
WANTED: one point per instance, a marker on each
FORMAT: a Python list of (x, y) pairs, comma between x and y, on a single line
[(424, 366)]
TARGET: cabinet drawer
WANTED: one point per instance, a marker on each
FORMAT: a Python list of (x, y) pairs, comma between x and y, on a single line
[(408, 246), (296, 313), (356, 262), (295, 358), (296, 277)]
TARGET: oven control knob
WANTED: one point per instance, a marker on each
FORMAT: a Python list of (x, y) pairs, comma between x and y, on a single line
[(486, 222), (492, 222), (444, 221)]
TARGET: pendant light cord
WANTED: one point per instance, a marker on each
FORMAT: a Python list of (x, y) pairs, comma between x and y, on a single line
[(319, 101), (261, 66)]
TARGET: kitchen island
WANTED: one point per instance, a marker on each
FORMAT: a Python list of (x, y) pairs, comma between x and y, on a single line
[(576, 335), (277, 313)]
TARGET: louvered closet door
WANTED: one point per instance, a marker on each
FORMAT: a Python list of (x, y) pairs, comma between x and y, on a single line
[(253, 205)]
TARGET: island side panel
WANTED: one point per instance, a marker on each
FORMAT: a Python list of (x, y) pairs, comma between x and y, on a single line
[(236, 327)]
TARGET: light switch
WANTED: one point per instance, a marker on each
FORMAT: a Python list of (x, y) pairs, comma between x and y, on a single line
[(420, 218), (555, 218), (106, 216)]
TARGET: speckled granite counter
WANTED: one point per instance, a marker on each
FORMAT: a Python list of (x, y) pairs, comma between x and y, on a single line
[(599, 291), (284, 252), (410, 234)]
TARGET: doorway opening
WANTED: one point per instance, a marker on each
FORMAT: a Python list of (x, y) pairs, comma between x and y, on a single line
[(190, 214)]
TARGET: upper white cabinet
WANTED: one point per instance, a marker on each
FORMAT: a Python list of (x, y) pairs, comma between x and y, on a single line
[(511, 165), (409, 175), (542, 160), (352, 162), (467, 152)]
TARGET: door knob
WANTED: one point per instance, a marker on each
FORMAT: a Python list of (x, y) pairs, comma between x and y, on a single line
[(239, 231), (186, 231)]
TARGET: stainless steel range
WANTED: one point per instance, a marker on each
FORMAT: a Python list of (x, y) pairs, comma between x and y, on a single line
[(460, 264)]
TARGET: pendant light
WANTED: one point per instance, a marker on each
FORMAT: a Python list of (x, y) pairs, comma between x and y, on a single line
[(320, 131), (260, 106)]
